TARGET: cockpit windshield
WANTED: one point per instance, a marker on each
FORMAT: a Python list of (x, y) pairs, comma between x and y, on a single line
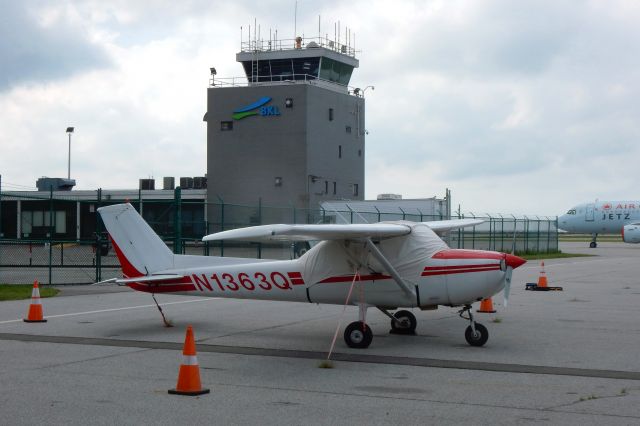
[(572, 211)]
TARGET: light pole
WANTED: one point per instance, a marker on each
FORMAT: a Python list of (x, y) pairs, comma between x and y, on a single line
[(69, 131)]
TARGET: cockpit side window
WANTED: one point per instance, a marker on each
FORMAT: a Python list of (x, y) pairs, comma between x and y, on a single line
[(572, 211)]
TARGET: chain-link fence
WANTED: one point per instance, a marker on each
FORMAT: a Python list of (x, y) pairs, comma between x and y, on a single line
[(57, 238)]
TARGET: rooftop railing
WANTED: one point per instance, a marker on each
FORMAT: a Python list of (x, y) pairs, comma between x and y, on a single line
[(298, 43), (215, 82)]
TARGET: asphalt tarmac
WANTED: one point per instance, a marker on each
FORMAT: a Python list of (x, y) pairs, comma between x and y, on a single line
[(104, 357)]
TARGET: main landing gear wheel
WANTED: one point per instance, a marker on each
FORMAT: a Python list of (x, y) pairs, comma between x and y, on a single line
[(593, 244), (404, 323), (478, 338), (358, 335)]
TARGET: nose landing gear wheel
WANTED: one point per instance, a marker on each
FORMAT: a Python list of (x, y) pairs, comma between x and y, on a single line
[(358, 335), (478, 338), (404, 323)]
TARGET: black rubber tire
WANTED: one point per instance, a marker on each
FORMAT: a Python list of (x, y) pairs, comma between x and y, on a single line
[(358, 335), (593, 244), (479, 338), (409, 322)]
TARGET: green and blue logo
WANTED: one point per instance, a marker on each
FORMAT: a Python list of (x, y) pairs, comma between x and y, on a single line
[(259, 107)]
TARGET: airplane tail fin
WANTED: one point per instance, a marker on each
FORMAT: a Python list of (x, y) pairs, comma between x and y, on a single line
[(139, 249)]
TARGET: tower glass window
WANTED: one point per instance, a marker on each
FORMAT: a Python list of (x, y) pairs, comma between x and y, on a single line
[(282, 69), (335, 71)]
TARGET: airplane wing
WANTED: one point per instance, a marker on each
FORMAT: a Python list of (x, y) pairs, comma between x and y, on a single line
[(332, 232), (447, 225), (311, 232)]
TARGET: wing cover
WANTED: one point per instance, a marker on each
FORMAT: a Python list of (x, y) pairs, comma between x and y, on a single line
[(334, 232), (311, 232), (448, 225)]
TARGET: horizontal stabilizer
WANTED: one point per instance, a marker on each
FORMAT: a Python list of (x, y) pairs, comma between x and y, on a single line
[(157, 279)]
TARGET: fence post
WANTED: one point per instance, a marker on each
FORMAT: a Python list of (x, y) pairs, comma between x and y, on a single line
[(221, 224), (50, 232), (538, 235), (1, 234), (98, 238), (260, 222), (177, 221)]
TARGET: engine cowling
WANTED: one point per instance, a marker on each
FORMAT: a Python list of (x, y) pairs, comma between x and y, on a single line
[(631, 234)]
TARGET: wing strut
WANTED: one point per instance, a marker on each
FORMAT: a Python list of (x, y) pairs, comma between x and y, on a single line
[(390, 269)]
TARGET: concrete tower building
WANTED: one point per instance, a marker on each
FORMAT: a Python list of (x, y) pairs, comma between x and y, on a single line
[(291, 133)]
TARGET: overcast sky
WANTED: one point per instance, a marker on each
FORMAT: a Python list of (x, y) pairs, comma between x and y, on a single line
[(524, 107)]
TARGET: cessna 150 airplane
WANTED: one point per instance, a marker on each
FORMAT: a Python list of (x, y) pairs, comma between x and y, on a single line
[(391, 265), (604, 217)]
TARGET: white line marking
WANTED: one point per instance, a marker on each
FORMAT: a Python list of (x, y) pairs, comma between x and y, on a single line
[(117, 309)]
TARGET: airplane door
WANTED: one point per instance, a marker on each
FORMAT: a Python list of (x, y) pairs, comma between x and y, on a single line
[(589, 214)]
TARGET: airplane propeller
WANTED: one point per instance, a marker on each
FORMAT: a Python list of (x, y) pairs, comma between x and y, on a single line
[(507, 285), (507, 275)]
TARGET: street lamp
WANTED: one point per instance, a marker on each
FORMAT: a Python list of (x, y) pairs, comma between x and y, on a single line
[(69, 131)]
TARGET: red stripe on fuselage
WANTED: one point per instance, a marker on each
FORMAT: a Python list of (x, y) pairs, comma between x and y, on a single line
[(468, 254), (162, 288), (296, 278), (459, 269)]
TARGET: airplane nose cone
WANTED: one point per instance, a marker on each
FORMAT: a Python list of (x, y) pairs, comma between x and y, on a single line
[(514, 261)]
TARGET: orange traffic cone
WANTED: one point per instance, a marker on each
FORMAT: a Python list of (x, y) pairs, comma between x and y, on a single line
[(486, 306), (35, 308), (189, 375), (542, 279)]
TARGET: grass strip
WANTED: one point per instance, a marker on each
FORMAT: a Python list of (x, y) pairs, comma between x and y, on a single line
[(23, 291), (550, 255)]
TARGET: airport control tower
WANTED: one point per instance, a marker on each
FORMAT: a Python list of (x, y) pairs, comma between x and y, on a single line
[(291, 132)]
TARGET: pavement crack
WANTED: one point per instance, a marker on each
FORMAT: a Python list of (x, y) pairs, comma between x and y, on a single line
[(591, 397), (418, 399), (80, 361)]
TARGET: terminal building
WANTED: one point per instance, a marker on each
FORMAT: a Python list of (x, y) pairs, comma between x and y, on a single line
[(291, 132)]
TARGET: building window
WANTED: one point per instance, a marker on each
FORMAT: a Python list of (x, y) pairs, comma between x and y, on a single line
[(334, 188), (348, 129), (359, 153), (355, 189), (226, 125), (288, 103), (339, 151), (326, 186), (330, 114)]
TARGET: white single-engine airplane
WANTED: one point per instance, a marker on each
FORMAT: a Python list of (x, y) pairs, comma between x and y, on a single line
[(392, 264), (604, 217)]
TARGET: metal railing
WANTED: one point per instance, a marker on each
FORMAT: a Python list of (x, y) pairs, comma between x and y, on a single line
[(299, 43)]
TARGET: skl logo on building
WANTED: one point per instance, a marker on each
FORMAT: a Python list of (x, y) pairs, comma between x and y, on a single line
[(258, 107)]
